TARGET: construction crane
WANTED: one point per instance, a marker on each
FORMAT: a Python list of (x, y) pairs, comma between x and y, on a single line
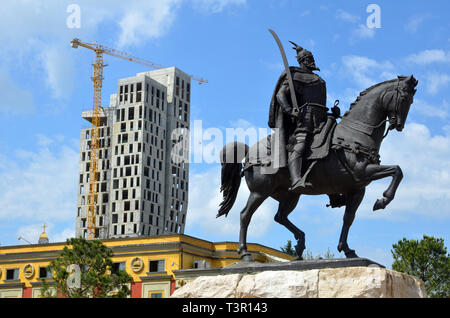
[(97, 78)]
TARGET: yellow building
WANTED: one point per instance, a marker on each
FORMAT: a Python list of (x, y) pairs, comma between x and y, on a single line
[(152, 262)]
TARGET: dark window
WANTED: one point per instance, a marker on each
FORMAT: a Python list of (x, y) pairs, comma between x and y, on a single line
[(12, 274), (157, 266), (44, 272), (116, 267), (131, 113)]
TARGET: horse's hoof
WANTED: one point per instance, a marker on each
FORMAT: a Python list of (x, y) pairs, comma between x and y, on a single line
[(247, 258), (379, 204), (351, 254)]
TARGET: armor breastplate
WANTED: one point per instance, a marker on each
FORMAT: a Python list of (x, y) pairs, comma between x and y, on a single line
[(309, 88)]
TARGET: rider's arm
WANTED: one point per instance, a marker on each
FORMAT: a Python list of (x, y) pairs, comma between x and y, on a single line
[(282, 99)]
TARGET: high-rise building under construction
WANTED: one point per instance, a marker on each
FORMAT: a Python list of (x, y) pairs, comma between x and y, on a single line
[(141, 190)]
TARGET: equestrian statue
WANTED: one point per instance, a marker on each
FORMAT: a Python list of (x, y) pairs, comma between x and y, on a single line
[(311, 153)]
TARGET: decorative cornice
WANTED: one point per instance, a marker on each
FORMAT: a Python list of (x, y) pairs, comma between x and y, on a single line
[(155, 277), (15, 284)]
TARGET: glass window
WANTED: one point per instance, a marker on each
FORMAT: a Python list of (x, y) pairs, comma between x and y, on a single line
[(157, 266), (119, 266), (12, 274), (44, 272)]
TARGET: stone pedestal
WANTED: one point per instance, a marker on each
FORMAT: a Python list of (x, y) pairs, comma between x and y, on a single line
[(275, 281)]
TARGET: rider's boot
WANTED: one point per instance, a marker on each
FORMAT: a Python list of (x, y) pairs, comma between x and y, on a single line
[(295, 170)]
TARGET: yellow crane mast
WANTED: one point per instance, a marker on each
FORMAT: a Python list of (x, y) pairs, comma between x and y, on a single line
[(97, 78)]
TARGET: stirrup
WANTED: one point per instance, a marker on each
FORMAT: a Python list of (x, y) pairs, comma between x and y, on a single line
[(298, 184)]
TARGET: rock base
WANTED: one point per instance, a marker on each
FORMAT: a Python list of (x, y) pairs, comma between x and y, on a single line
[(348, 282)]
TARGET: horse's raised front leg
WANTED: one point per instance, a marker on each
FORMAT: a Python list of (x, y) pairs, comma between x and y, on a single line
[(353, 202), (254, 201), (376, 172)]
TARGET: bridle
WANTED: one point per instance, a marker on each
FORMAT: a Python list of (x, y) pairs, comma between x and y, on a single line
[(393, 118), (368, 129)]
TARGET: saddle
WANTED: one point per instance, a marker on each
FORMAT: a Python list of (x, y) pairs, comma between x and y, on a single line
[(321, 142)]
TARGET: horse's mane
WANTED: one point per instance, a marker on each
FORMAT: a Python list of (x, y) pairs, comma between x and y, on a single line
[(367, 90)]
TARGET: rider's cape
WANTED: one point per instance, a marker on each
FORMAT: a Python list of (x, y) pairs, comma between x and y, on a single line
[(283, 123)]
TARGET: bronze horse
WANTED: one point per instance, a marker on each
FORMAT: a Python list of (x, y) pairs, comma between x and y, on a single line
[(345, 171)]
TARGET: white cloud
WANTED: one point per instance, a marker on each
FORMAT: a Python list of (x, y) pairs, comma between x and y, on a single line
[(346, 16), (436, 82), (365, 71), (15, 100), (424, 108), (304, 13), (378, 255), (59, 67), (39, 185), (204, 200), (32, 232), (241, 123), (61, 236), (429, 56), (425, 188), (416, 21), (363, 32), (216, 6), (146, 20), (29, 233), (40, 35), (43, 140)]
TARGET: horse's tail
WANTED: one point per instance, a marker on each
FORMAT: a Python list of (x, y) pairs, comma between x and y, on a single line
[(231, 158)]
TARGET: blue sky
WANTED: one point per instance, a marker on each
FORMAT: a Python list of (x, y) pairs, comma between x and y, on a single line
[(45, 84)]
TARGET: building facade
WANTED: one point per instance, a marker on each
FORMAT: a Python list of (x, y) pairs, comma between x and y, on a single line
[(142, 187), (157, 264)]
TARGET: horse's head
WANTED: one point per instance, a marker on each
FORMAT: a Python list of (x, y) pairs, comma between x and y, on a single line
[(398, 101)]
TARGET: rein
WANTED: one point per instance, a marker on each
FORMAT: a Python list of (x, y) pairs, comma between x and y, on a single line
[(357, 148), (368, 129)]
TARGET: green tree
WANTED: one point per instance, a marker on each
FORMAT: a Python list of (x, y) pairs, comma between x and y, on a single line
[(93, 273), (427, 260), (307, 255), (289, 249)]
